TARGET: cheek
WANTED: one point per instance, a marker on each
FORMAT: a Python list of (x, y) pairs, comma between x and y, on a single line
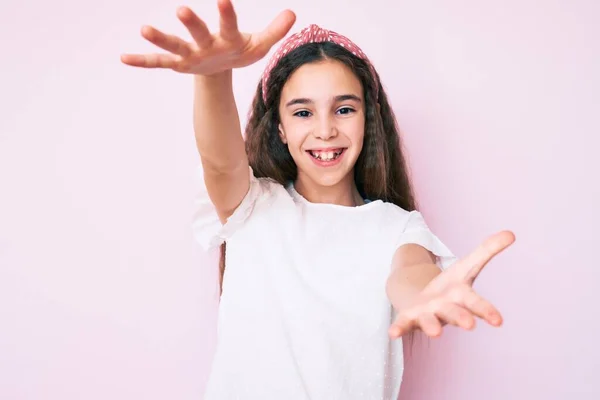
[(355, 131), (295, 140), (295, 134)]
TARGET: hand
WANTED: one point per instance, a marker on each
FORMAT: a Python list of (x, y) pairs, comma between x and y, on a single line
[(208, 53), (450, 299)]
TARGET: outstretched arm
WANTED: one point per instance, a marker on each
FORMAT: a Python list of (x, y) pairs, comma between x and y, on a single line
[(219, 142), (426, 298), (211, 58)]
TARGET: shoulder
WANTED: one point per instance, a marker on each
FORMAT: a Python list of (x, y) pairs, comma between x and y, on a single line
[(398, 216), (411, 227), (404, 221), (396, 222), (262, 195)]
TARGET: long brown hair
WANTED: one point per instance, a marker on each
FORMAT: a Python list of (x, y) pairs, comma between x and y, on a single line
[(380, 172)]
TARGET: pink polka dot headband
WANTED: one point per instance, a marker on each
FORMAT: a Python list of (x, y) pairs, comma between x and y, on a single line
[(311, 34)]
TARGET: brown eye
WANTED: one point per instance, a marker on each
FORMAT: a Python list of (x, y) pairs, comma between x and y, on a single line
[(302, 114), (345, 110)]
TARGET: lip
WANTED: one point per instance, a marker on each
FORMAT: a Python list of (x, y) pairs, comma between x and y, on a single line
[(326, 149), (331, 163)]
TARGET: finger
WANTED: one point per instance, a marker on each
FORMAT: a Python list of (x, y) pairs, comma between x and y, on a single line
[(166, 42), (429, 324), (482, 308), (150, 60), (401, 326), (456, 315), (228, 20), (470, 267), (197, 28), (277, 29)]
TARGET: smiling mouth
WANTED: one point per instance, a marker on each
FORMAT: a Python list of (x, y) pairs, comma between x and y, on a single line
[(326, 155)]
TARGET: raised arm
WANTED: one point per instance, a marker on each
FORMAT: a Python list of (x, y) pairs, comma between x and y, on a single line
[(210, 58), (219, 142)]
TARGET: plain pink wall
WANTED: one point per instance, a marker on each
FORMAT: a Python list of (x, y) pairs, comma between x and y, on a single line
[(104, 294)]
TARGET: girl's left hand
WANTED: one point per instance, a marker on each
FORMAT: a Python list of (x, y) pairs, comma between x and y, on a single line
[(450, 299)]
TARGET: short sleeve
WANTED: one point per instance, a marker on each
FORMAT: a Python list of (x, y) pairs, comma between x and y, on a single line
[(207, 228), (417, 232)]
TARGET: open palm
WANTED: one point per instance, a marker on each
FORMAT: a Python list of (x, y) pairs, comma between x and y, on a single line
[(449, 298), (207, 53)]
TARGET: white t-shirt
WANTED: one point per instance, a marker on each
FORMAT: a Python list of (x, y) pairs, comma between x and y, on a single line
[(304, 314)]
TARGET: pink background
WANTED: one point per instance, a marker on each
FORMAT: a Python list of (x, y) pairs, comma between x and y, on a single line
[(104, 294)]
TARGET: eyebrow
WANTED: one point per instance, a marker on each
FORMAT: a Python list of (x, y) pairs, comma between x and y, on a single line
[(342, 97)]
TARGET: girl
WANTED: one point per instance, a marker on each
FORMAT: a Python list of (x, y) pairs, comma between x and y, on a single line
[(328, 263)]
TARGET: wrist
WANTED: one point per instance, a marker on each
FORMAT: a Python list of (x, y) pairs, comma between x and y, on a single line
[(216, 87), (408, 282), (217, 77), (401, 294)]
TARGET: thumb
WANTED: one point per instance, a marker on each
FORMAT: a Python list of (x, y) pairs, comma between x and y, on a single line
[(469, 267), (277, 29)]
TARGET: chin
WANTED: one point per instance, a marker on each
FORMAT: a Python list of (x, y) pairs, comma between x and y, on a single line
[(328, 178), (328, 181)]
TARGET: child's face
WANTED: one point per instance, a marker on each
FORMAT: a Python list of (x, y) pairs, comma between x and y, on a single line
[(322, 115)]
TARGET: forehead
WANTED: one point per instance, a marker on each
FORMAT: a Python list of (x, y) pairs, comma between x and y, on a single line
[(321, 80)]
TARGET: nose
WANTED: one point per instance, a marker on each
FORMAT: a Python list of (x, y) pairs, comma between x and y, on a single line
[(326, 128)]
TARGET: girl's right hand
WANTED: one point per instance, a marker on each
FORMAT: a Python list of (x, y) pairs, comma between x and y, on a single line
[(208, 53)]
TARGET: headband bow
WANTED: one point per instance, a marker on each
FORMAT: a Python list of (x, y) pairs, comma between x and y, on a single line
[(311, 34)]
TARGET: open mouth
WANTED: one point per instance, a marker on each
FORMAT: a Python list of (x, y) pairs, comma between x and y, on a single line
[(326, 155)]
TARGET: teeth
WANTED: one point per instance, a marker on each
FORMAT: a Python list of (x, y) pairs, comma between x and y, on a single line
[(326, 155)]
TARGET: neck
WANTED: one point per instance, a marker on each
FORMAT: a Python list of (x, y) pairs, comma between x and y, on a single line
[(343, 193)]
